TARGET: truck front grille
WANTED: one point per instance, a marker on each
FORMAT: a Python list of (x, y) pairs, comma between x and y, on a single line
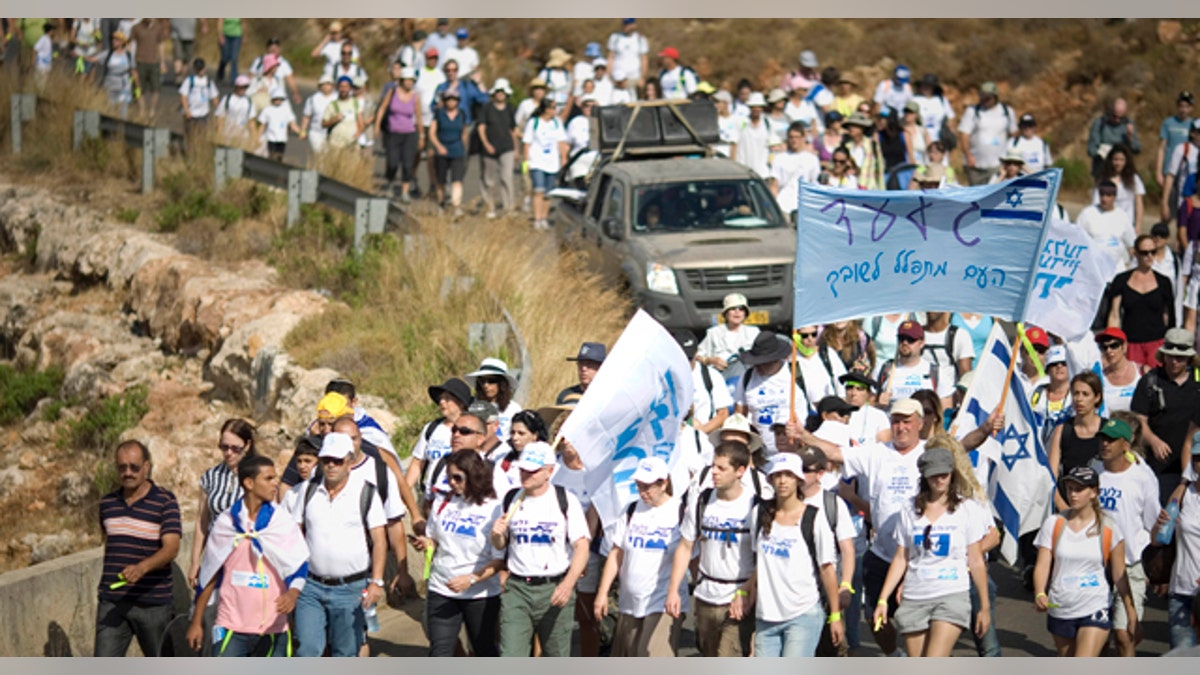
[(734, 278)]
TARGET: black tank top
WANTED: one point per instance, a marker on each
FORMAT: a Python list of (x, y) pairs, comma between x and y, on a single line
[(1077, 451)]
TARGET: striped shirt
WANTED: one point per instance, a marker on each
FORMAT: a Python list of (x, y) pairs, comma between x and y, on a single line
[(221, 490), (133, 532)]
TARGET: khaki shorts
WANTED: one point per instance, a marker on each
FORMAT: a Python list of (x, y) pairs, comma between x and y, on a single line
[(1137, 586), (914, 616)]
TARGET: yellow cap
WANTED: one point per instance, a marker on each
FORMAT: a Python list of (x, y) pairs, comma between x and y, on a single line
[(332, 406)]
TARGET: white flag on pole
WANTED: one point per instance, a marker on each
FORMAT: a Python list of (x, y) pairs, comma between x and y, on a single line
[(1069, 282), (632, 410), (1021, 485)]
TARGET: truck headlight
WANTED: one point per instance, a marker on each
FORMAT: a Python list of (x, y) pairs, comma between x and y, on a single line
[(661, 279)]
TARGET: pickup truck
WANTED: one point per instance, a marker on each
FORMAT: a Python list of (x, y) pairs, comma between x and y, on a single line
[(682, 232)]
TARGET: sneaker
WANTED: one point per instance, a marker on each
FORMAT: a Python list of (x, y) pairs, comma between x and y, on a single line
[(405, 199), (491, 215), (458, 212)]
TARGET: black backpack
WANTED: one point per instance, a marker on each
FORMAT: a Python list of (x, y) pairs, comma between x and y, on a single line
[(364, 505), (559, 491), (807, 523), (428, 432)]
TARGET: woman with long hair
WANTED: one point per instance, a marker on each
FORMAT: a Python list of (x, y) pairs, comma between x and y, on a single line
[(1131, 191), (828, 140), (843, 172), (851, 343), (938, 557), (789, 579), (652, 91), (643, 549), (861, 145), (1143, 305), (526, 427), (493, 383), (463, 586), (932, 420), (1076, 552), (1076, 442)]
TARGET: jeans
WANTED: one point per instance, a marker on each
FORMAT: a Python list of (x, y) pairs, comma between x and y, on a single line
[(445, 616), (118, 622), (989, 644), (1179, 620), (250, 644), (336, 610), (794, 637), (401, 152), (229, 57)]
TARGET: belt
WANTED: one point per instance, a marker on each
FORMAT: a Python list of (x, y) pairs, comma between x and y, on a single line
[(338, 581), (539, 581)]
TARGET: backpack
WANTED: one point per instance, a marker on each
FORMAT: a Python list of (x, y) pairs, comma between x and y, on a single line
[(946, 134), (683, 71), (885, 371), (708, 387), (706, 495), (948, 347), (559, 491), (428, 432), (1106, 536), (807, 522), (1158, 398), (1182, 177), (364, 505)]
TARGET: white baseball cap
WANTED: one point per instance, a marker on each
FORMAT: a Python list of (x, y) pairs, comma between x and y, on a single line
[(336, 445), (535, 456), (787, 461), (651, 470)]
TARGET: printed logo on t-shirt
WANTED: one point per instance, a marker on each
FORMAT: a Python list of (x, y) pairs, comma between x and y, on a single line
[(644, 537), (249, 579), (722, 529), (1109, 497), (1082, 581), (526, 532), (462, 524), (779, 547), (939, 543)]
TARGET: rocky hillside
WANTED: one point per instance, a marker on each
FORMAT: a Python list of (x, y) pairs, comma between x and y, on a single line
[(141, 336)]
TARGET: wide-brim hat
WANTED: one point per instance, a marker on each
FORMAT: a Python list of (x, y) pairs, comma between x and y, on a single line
[(739, 424), (858, 119), (1178, 342), (558, 58), (554, 416), (756, 100), (456, 388), (501, 84), (491, 368), (767, 347)]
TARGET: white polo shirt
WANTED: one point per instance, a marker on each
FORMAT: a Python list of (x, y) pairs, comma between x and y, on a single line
[(333, 529)]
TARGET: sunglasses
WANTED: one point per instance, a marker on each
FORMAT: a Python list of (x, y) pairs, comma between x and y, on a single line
[(456, 477), (853, 385), (806, 336), (225, 447), (1111, 345), (841, 161), (130, 468), (906, 340), (464, 431), (491, 380), (1145, 252), (1040, 349), (336, 461)]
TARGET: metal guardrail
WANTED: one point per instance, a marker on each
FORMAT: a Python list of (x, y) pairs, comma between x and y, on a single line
[(372, 214)]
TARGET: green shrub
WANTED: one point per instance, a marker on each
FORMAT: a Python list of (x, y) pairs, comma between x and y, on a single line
[(20, 390), (129, 215), (1077, 173), (102, 425), (105, 477)]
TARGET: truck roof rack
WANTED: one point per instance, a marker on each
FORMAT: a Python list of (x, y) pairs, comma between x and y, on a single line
[(657, 128)]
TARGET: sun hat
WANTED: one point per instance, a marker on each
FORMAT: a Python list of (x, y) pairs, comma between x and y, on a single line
[(808, 59), (242, 81), (599, 62), (651, 470), (1013, 156), (858, 119), (590, 351), (1116, 428), (537, 82), (789, 462), (723, 95), (705, 87), (906, 407), (913, 107), (767, 347), (336, 445), (931, 173), (407, 73), (456, 388), (332, 406), (501, 84), (536, 455), (733, 301), (989, 88), (325, 78), (277, 93), (756, 100), (776, 96), (335, 27), (269, 61), (491, 367), (935, 462), (359, 81), (558, 58), (737, 423), (1178, 342)]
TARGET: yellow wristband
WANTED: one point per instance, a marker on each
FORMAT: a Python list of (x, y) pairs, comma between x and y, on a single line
[(741, 593), (1040, 595), (881, 603), (846, 585), (834, 616)]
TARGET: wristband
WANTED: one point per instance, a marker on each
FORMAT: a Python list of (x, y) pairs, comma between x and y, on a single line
[(1040, 595), (846, 585), (834, 616), (741, 593), (881, 603)]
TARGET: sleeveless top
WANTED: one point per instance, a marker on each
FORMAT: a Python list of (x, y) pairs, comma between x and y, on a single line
[(449, 132), (1118, 396), (401, 116), (1077, 451)]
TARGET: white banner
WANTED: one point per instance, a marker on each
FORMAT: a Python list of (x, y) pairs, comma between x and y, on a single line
[(1021, 485), (633, 409), (1069, 281)]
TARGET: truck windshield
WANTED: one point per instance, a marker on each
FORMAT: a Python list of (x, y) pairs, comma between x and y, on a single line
[(704, 205)]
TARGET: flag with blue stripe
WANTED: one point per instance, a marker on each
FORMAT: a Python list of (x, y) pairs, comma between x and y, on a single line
[(1021, 486)]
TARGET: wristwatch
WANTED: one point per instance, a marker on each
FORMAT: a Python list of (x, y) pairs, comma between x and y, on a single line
[(377, 582)]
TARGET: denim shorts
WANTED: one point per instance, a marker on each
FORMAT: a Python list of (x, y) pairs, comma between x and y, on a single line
[(543, 181), (1067, 628)]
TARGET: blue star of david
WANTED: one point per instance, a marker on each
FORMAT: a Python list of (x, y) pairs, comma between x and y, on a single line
[(1022, 453), (1013, 197)]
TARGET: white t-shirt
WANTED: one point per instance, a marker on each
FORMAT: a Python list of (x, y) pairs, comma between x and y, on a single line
[(332, 51), (462, 531), (466, 58), (728, 129), (543, 137), (1130, 498), (1187, 559), (603, 91), (648, 541), (703, 481), (627, 51), (504, 480), (892, 482), (1078, 584), (705, 403), (805, 111), (767, 400), (282, 71), (722, 342), (1111, 230), (945, 356), (753, 146), (1034, 150), (539, 542), (837, 433), (579, 133), (695, 450), (200, 93), (428, 80), (1125, 201), (393, 507), (789, 170), (524, 112), (888, 96), (314, 110), (235, 112), (904, 380), (786, 585), (275, 120), (1193, 155), (678, 82), (866, 423), (43, 51), (726, 545), (988, 131), (818, 382), (933, 110), (506, 415), (1117, 397), (583, 70), (431, 451), (942, 569)]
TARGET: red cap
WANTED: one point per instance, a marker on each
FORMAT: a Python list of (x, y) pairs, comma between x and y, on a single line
[(911, 329), (670, 52), (1113, 333), (1037, 336), (432, 51)]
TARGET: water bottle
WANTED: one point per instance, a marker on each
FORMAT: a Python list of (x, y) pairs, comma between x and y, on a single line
[(372, 616), (1168, 530)]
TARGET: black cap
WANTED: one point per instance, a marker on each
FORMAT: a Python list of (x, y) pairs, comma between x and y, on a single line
[(272, 41), (1185, 96), (456, 388), (814, 458), (930, 79), (1027, 120), (861, 378), (443, 22), (686, 340), (1084, 475), (834, 404)]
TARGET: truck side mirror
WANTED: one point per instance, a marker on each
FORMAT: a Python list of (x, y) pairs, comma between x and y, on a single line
[(613, 229)]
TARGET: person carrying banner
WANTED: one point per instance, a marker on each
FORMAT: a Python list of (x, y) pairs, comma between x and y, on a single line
[(258, 558), (642, 552), (764, 393), (1075, 571), (719, 520), (545, 534)]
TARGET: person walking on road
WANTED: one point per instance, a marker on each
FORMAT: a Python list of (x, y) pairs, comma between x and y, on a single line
[(398, 122)]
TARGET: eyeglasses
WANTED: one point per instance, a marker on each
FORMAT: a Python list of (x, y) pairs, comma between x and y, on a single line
[(806, 336), (926, 543), (1145, 252), (456, 477), (129, 468), (1111, 345), (336, 461), (464, 431), (225, 447)]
